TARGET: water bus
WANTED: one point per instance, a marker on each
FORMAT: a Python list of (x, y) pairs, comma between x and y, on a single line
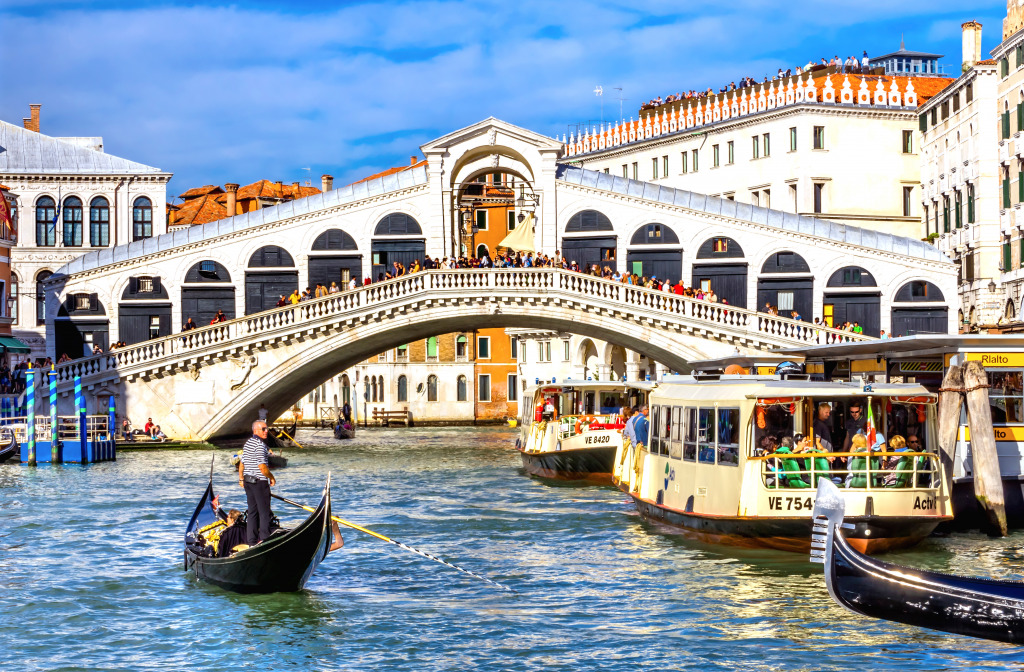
[(572, 430), (732, 459)]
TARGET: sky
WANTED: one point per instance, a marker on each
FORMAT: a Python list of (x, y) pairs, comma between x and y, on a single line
[(237, 92)]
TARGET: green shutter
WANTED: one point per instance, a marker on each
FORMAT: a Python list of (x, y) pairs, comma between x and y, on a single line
[(1020, 255), (970, 206), (1020, 187), (1006, 193), (432, 346), (1006, 257), (923, 121), (1004, 67), (945, 216), (1020, 117), (958, 217), (1006, 126)]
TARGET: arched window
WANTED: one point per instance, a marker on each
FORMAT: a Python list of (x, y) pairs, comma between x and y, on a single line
[(373, 388), (461, 348), (99, 222), (12, 300), (271, 256), (334, 239), (461, 391), (46, 228), (397, 224), (72, 221), (142, 218), (403, 389), (432, 388), (41, 297), (588, 220), (654, 234), (481, 251), (380, 386)]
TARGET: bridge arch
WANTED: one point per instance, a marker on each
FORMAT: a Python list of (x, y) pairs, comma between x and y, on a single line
[(205, 289), (269, 274), (786, 283), (589, 238), (81, 323), (721, 265), (655, 250), (476, 160), (851, 294), (918, 307), (397, 237), (334, 257)]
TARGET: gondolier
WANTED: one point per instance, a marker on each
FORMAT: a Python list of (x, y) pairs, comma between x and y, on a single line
[(254, 475)]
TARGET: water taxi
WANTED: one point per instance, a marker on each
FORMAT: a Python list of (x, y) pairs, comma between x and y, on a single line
[(736, 459), (572, 430)]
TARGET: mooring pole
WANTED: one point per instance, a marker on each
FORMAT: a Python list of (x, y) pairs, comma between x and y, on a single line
[(30, 410), (83, 428), (988, 482), (54, 434), (950, 401)]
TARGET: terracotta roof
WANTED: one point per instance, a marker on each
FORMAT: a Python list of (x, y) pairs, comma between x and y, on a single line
[(260, 189), (926, 87), (392, 171), (201, 191), (988, 61), (200, 210)]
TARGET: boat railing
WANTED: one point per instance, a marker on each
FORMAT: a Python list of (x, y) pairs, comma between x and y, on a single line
[(574, 425), (67, 427), (872, 470)]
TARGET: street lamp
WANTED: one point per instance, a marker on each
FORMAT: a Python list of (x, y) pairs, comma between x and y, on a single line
[(524, 202), (991, 286)]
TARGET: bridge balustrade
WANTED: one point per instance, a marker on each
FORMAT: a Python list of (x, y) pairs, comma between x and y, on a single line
[(459, 283)]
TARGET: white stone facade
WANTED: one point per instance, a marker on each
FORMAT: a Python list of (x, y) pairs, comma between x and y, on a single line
[(63, 169)]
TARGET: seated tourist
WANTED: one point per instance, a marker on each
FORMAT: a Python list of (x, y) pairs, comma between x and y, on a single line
[(233, 535)]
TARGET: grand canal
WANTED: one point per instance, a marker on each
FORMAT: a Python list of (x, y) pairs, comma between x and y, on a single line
[(91, 575)]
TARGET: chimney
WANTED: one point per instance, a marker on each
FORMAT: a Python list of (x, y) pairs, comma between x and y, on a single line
[(172, 215), (413, 160), (279, 189), (27, 123), (326, 183), (232, 191), (972, 44), (34, 116), (295, 189)]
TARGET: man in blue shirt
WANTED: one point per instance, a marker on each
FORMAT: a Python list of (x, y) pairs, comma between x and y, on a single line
[(642, 427)]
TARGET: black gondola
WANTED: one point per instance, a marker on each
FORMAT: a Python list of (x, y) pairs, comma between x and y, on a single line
[(282, 563), (342, 432), (976, 607), (9, 446)]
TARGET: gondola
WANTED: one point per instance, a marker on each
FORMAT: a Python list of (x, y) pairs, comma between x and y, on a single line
[(282, 563), (343, 432), (282, 438), (274, 461), (9, 446), (976, 607)]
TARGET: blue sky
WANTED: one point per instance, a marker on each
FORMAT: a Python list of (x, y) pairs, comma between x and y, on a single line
[(221, 93)]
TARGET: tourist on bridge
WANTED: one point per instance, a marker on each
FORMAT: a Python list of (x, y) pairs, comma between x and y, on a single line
[(189, 325), (254, 475), (219, 317)]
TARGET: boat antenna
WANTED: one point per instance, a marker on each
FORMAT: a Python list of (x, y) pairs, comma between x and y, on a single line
[(212, 458)]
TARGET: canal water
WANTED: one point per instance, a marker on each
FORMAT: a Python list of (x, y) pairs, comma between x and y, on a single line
[(91, 575)]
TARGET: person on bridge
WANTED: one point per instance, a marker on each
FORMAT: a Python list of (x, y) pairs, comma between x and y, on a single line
[(189, 325), (254, 475)]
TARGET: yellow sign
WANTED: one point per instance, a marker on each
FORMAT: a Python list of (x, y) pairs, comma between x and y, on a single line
[(996, 359), (1001, 433), (866, 365), (766, 370), (814, 367)]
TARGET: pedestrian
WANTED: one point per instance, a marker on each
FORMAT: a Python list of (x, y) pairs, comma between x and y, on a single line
[(188, 326), (263, 413), (254, 475)]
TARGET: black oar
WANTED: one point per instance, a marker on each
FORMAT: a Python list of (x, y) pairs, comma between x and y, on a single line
[(396, 543)]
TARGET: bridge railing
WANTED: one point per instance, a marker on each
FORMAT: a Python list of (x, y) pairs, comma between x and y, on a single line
[(461, 283)]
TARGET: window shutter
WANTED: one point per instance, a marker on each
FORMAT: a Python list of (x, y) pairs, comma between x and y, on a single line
[(1020, 117), (156, 285), (1006, 257), (133, 286), (94, 302), (923, 121)]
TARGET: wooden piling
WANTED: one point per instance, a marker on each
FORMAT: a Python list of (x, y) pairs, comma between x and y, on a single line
[(950, 402), (988, 482)]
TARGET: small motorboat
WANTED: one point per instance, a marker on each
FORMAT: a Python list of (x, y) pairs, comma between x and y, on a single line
[(962, 605), (345, 430), (282, 563)]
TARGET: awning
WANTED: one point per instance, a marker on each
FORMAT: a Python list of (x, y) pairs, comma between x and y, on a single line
[(11, 344), (520, 238)]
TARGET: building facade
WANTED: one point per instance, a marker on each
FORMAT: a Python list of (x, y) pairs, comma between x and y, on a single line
[(70, 198)]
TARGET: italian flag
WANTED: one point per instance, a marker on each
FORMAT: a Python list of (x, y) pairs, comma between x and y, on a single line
[(869, 427)]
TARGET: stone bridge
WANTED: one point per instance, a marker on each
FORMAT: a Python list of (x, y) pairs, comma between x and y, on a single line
[(209, 382)]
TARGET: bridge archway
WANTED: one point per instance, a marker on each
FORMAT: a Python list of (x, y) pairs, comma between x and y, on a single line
[(655, 250), (270, 274), (144, 311), (721, 266), (589, 239), (397, 238), (81, 323), (334, 258), (206, 289), (918, 307), (851, 294), (786, 283)]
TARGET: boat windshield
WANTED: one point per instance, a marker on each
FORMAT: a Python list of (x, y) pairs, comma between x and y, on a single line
[(867, 442)]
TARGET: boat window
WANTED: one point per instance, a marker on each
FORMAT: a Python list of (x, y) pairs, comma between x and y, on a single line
[(675, 448), (655, 446), (1006, 396), (773, 420), (706, 435), (729, 436), (690, 442), (666, 423)]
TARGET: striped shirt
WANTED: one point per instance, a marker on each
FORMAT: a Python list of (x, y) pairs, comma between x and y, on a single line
[(254, 453)]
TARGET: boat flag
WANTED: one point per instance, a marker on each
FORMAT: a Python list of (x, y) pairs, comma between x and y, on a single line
[(869, 427)]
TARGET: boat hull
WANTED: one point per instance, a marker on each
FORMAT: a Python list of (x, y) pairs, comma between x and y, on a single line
[(873, 534), (341, 433), (282, 563), (961, 605), (591, 464)]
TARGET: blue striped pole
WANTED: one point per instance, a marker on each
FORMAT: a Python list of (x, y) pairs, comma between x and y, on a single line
[(111, 418), (30, 411), (54, 434), (82, 426)]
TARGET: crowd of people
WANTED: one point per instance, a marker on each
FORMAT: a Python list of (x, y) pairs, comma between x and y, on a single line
[(850, 64)]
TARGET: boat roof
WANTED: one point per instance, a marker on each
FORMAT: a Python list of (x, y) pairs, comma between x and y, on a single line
[(746, 361), (753, 387), (909, 346), (596, 385)]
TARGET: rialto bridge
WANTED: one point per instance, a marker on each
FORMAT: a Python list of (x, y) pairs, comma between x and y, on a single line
[(209, 381)]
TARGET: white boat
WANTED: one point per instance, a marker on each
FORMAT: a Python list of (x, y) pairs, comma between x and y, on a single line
[(715, 468), (579, 439)]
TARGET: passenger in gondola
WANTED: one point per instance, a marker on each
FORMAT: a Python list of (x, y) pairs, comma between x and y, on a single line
[(233, 535)]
